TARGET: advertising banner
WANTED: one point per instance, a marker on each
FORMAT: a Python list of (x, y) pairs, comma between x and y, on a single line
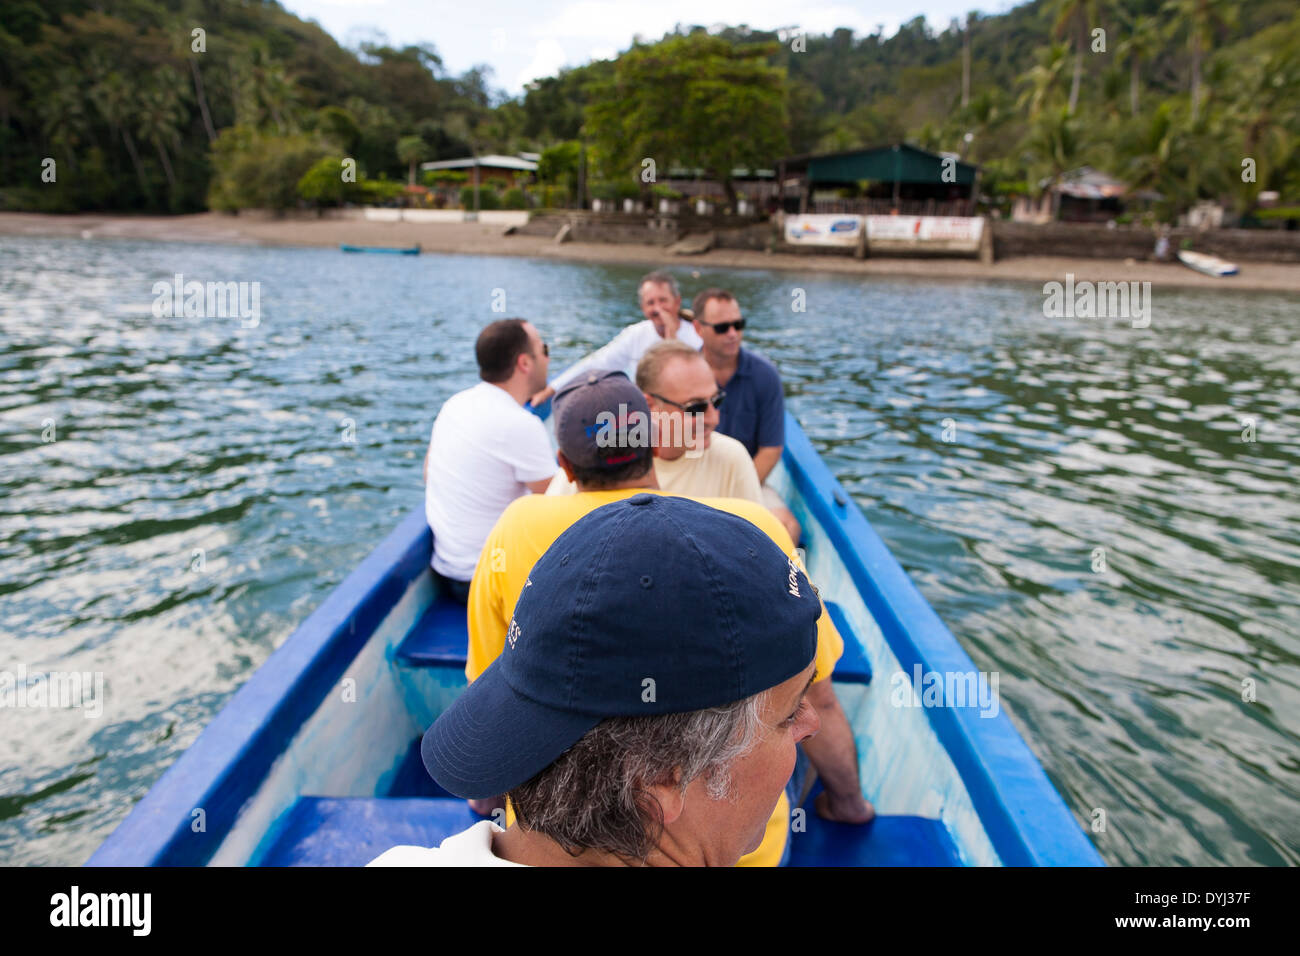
[(823, 230)]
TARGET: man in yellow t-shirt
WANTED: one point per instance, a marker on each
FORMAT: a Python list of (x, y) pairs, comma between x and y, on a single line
[(692, 459), (602, 426)]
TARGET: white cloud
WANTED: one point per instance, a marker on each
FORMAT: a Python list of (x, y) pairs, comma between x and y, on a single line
[(548, 58)]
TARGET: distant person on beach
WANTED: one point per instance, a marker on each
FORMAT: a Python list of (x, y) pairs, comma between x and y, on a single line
[(605, 764), (661, 304), (754, 412), (691, 458), (486, 450), (612, 471)]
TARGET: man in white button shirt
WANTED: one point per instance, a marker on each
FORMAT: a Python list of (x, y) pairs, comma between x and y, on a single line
[(661, 304), (486, 450)]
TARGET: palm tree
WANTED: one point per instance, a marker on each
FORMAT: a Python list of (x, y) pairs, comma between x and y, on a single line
[(1072, 19), (410, 150), (64, 118), (115, 100), (1266, 108), (460, 127), (159, 117), (1055, 145), (1041, 79), (1203, 18), (1142, 41), (264, 91), (1158, 153)]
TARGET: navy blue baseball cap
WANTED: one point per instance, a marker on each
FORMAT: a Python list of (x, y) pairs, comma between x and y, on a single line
[(649, 605)]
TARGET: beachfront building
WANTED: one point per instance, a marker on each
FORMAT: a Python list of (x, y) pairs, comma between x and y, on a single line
[(897, 179), (1081, 195), (501, 172)]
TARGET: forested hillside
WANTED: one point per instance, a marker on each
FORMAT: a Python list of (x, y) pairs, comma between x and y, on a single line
[(140, 113)]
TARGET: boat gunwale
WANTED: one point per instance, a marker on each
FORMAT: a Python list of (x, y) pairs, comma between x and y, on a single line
[(1023, 814), (231, 757)]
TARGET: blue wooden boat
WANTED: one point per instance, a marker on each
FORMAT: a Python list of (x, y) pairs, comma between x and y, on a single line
[(397, 251), (315, 760)]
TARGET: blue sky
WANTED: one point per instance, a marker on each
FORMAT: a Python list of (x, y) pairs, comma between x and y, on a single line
[(521, 39)]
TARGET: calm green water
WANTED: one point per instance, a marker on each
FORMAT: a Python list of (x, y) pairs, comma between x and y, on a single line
[(201, 497)]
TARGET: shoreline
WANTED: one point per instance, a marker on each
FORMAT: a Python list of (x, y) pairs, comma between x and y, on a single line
[(485, 239)]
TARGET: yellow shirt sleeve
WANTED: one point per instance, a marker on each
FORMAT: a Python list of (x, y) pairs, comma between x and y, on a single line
[(830, 645)]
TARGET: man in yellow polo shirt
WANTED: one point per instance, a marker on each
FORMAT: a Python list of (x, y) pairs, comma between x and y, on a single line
[(602, 426)]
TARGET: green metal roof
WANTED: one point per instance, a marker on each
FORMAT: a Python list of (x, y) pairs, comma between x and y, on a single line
[(901, 163)]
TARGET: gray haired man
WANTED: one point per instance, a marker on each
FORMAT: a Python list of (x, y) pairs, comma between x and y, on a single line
[(661, 304)]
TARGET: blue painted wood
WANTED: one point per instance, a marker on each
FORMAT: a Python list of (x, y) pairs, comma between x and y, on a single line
[(853, 666), (439, 639), (230, 759), (1024, 816), (352, 831), (410, 779), (885, 841)]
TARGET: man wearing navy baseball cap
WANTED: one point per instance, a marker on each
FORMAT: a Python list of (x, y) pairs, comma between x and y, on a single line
[(648, 702)]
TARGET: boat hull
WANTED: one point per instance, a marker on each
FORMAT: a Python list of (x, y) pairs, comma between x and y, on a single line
[(1207, 264), (405, 251)]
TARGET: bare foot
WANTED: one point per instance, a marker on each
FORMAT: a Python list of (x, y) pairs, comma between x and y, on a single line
[(853, 808)]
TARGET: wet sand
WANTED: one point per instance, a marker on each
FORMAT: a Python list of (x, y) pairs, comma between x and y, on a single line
[(490, 240)]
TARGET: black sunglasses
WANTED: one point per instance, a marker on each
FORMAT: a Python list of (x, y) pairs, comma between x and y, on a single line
[(697, 407), (722, 328), (546, 350)]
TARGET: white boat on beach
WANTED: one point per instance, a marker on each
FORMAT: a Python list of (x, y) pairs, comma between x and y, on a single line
[(1208, 264)]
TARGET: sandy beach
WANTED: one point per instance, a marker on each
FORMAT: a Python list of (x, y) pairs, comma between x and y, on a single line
[(484, 239)]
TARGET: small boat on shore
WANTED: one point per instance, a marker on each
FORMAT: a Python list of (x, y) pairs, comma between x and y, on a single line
[(391, 250), (1207, 264), (315, 761)]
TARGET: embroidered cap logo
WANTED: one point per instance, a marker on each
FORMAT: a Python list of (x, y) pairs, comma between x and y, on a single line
[(794, 578)]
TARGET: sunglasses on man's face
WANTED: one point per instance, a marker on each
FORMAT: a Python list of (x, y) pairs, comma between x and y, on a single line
[(546, 350), (697, 407), (722, 328)]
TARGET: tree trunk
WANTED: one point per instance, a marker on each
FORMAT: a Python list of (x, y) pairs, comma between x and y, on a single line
[(1196, 76), (139, 170), (203, 100), (410, 179), (965, 64), (1133, 87), (730, 188), (167, 165), (1078, 78)]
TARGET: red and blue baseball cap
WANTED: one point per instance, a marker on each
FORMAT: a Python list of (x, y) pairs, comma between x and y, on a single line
[(649, 605)]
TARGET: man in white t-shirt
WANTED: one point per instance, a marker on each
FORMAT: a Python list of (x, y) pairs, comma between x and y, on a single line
[(691, 458), (661, 304), (486, 450)]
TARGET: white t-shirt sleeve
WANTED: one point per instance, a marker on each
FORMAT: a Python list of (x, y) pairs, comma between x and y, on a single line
[(529, 451), (621, 351)]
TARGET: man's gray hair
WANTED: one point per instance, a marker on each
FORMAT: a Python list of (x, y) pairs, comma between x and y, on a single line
[(659, 278), (596, 795)]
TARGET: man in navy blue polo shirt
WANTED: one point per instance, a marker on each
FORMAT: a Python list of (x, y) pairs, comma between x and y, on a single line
[(754, 410)]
